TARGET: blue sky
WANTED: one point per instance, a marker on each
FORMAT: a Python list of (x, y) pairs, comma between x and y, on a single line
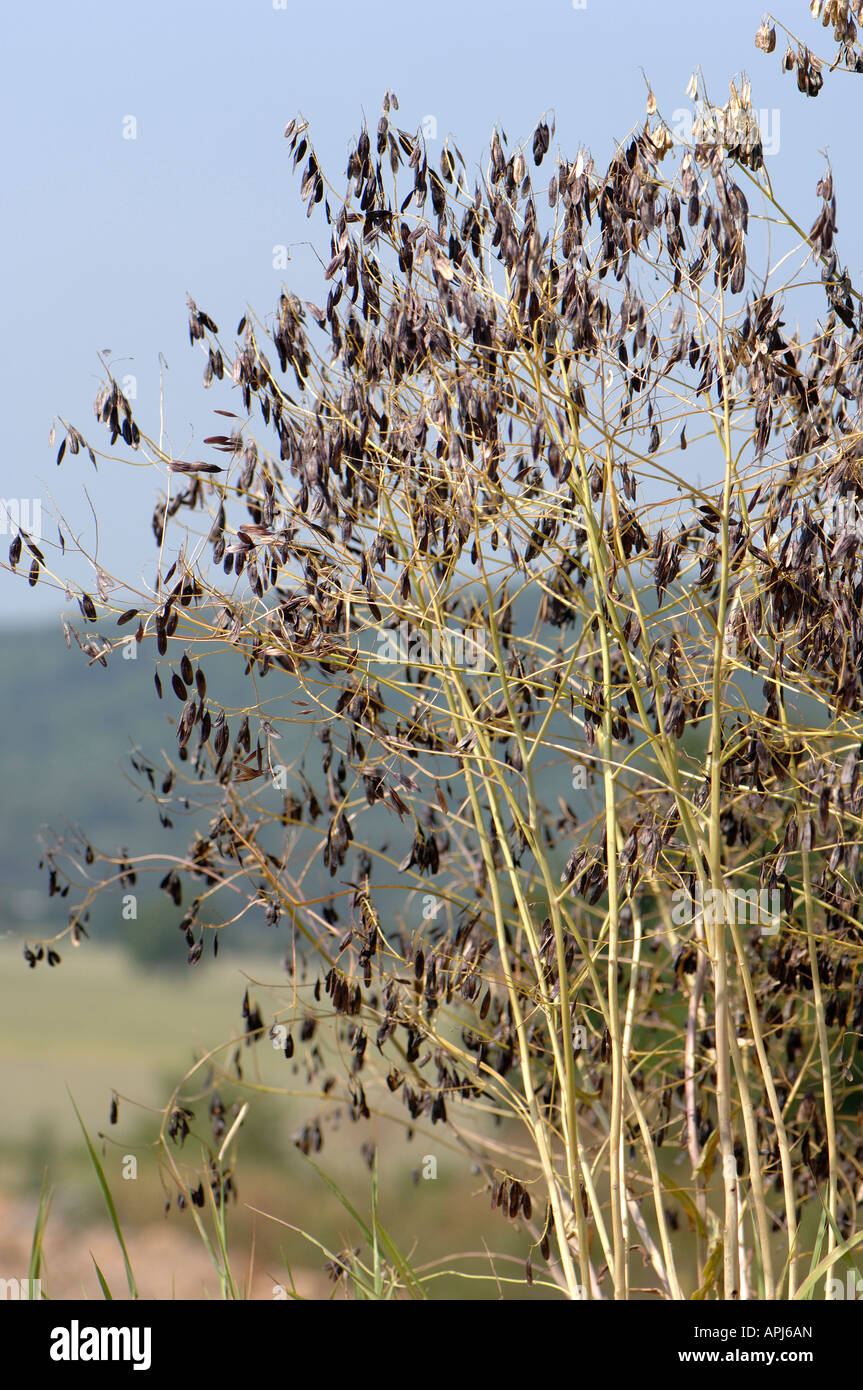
[(103, 236)]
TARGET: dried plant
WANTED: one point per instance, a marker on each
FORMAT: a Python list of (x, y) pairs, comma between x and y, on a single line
[(452, 525)]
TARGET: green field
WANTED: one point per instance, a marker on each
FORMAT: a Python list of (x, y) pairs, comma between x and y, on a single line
[(99, 1024)]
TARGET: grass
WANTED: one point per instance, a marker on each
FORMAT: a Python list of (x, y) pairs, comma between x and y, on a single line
[(749, 1101), (100, 1025), (114, 1027)]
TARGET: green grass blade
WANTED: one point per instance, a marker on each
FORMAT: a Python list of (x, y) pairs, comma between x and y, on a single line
[(827, 1263), (109, 1201), (349, 1208), (355, 1274), (225, 1277), (106, 1292), (292, 1291), (816, 1253), (411, 1282), (378, 1235), (827, 1219), (376, 1254), (39, 1229)]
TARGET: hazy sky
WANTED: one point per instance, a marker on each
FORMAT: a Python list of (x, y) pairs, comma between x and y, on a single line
[(103, 235)]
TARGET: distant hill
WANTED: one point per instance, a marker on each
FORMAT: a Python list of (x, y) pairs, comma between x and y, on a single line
[(66, 733)]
